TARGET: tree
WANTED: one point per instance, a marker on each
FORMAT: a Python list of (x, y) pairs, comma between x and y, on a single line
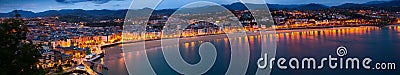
[(17, 55)]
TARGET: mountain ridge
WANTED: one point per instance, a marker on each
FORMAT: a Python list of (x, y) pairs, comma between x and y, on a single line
[(113, 14)]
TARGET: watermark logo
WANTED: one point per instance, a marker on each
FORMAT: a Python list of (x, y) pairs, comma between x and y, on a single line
[(340, 62), (341, 51)]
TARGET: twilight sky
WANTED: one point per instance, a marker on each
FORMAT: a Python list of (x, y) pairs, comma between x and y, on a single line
[(44, 5)]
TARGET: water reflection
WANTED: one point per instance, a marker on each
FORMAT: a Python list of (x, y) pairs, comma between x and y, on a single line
[(380, 43)]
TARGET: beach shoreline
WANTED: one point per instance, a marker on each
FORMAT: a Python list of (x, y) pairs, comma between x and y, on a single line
[(247, 33), (148, 44)]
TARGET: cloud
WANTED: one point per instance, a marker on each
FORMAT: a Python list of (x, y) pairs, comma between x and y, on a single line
[(78, 1)]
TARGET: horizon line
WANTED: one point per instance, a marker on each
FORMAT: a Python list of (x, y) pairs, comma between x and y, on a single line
[(171, 8)]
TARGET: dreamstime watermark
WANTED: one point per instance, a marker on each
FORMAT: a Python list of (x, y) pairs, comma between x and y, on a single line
[(340, 62)]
